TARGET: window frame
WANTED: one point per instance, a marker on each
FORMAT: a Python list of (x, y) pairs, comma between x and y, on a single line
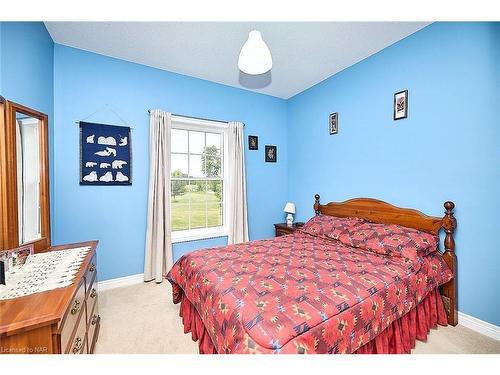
[(186, 123)]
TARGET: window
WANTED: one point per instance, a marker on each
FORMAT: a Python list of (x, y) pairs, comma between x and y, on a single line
[(197, 178)]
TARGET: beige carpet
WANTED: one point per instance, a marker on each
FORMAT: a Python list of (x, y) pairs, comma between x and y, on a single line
[(142, 319)]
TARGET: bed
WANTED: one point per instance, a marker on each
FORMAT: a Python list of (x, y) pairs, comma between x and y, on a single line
[(362, 276)]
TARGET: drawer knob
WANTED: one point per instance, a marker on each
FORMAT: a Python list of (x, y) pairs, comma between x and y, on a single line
[(76, 307), (78, 345), (93, 293), (92, 267), (94, 319)]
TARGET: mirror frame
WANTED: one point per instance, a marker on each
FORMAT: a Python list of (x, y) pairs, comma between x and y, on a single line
[(9, 230)]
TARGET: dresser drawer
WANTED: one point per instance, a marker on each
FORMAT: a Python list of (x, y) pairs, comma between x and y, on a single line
[(91, 273), (77, 344), (75, 309), (282, 232), (92, 300), (93, 329)]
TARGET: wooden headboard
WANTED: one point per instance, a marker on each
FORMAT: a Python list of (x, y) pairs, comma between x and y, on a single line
[(381, 212)]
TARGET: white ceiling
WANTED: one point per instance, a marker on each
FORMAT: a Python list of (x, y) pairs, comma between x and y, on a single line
[(304, 53)]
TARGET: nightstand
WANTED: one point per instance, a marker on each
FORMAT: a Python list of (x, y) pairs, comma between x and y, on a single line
[(282, 229)]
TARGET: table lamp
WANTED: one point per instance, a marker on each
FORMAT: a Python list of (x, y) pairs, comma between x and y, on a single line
[(289, 209)]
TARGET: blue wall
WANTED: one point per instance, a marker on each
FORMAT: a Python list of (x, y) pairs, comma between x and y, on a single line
[(27, 70), (447, 149), (26, 65), (84, 83)]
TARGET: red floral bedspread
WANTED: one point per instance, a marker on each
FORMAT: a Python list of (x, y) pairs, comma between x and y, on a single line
[(300, 293)]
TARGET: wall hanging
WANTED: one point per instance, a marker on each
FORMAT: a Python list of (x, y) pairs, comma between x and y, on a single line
[(333, 123), (401, 105), (253, 142), (105, 154), (271, 154)]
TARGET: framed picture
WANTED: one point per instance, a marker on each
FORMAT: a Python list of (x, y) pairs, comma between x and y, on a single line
[(253, 142), (333, 123), (20, 255), (16, 258), (401, 105), (271, 154)]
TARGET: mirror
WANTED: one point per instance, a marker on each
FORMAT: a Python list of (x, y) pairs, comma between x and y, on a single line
[(24, 177), (28, 177)]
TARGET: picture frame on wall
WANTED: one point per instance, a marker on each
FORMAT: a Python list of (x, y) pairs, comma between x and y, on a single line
[(253, 142), (271, 154), (333, 123), (401, 105)]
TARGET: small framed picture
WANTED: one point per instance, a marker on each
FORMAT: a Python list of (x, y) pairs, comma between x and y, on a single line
[(253, 142), (271, 154), (401, 105), (333, 123), (20, 255), (15, 258)]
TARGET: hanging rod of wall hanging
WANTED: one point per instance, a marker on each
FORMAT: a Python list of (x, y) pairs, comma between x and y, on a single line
[(102, 123)]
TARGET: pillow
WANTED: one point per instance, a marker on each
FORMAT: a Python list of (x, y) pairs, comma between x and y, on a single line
[(391, 239), (330, 226)]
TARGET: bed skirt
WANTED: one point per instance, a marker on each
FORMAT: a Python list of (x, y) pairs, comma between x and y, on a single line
[(398, 338)]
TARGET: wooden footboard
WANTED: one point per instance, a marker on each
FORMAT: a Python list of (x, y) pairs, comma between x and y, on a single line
[(381, 212)]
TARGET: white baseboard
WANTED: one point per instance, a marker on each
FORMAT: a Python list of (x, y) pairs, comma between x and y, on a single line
[(479, 326), (120, 281), (468, 321)]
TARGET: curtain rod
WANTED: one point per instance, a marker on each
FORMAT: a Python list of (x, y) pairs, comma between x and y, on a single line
[(197, 118)]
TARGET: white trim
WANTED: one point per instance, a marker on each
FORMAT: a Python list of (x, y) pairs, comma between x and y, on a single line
[(120, 282), (199, 234), (479, 326), (202, 124)]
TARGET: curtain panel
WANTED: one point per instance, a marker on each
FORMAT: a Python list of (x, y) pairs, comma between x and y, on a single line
[(237, 193), (158, 252)]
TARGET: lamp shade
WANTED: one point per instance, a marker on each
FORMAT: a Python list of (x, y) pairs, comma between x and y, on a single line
[(255, 57), (289, 208)]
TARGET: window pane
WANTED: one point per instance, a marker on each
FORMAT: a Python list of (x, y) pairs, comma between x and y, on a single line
[(179, 191), (198, 216), (214, 214), (179, 166), (180, 216), (197, 192), (214, 191), (198, 189), (196, 142), (196, 165), (212, 166), (179, 142), (214, 141)]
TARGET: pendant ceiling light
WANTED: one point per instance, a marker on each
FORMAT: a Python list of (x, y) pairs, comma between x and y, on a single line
[(255, 57)]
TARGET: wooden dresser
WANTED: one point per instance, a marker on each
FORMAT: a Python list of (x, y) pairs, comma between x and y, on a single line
[(64, 320)]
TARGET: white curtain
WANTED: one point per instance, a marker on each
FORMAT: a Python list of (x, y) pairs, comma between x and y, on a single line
[(158, 251), (237, 194)]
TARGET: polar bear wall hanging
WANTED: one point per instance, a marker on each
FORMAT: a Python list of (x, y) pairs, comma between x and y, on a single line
[(105, 154)]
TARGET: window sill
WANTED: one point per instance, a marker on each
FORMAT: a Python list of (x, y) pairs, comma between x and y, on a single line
[(198, 234)]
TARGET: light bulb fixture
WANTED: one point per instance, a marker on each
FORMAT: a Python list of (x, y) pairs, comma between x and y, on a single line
[(255, 57)]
